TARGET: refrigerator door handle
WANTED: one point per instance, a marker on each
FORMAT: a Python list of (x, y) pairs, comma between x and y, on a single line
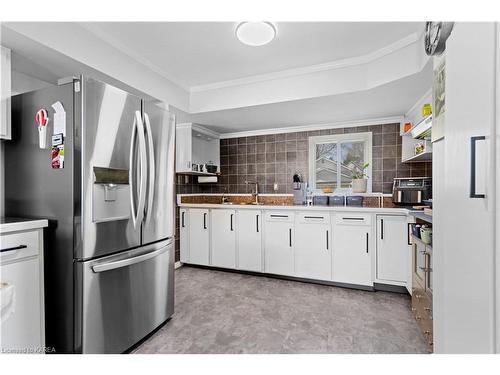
[(138, 129), (128, 261), (151, 167), (473, 141)]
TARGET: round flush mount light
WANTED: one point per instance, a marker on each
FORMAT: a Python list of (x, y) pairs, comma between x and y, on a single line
[(255, 33)]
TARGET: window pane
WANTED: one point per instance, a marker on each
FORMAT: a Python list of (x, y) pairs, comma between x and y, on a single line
[(352, 156), (326, 165)]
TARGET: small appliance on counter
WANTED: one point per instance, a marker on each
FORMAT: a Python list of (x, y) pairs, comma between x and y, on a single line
[(411, 190), (299, 189)]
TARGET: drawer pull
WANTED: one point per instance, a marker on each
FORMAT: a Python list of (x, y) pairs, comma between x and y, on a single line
[(354, 218), (367, 241), (290, 236), (183, 223), (282, 216), (13, 248), (327, 245), (257, 222), (314, 217)]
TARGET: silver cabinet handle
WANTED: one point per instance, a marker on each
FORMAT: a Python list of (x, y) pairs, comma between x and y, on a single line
[(151, 167), (381, 229), (327, 244), (290, 236), (182, 220), (138, 131), (205, 220), (473, 142), (367, 241), (232, 222), (257, 222), (128, 261)]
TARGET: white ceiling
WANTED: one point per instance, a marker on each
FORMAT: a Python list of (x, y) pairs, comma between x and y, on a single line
[(199, 53), (392, 99)]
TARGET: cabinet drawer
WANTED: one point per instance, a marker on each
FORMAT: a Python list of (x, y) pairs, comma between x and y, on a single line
[(348, 218), (16, 246), (285, 216), (313, 218)]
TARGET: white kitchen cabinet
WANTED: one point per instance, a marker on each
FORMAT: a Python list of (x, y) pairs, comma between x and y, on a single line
[(392, 250), (249, 238), (352, 249), (223, 237), (279, 243), (195, 145), (199, 236), (313, 246), (22, 326), (5, 93), (184, 235)]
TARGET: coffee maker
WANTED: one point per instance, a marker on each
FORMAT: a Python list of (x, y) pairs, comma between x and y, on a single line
[(299, 189)]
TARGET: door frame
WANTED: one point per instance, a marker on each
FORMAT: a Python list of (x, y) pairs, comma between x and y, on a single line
[(496, 152)]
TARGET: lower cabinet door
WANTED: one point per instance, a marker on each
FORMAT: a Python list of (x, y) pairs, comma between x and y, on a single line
[(184, 234), (278, 248), (392, 249), (352, 254), (313, 251), (199, 236), (21, 326), (249, 236), (223, 224)]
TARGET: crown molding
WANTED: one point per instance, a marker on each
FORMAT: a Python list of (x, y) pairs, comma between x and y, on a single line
[(337, 64), (332, 125), (101, 34)]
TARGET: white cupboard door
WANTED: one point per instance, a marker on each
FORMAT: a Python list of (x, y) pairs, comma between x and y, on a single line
[(249, 240), (22, 327), (278, 248), (223, 224), (184, 234), (199, 236), (183, 149), (313, 250), (352, 254), (392, 249)]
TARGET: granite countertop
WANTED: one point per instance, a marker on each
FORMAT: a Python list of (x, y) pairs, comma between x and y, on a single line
[(387, 210), (14, 224)]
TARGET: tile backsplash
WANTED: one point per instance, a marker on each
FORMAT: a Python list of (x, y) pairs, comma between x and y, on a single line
[(274, 158)]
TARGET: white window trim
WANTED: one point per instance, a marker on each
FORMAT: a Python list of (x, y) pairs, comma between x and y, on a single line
[(365, 137)]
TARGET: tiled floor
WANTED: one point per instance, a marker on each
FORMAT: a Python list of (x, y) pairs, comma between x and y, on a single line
[(222, 312)]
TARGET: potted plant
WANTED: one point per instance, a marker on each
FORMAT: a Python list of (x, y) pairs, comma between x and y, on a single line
[(359, 179)]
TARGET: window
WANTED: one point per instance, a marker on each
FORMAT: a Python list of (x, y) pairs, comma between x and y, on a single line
[(333, 159)]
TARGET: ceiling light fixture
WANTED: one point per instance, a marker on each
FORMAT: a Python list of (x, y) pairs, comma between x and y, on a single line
[(255, 33)]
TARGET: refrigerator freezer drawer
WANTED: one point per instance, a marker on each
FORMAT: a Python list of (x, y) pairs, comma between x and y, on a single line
[(124, 297)]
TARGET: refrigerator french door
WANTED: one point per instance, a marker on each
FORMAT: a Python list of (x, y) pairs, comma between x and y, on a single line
[(109, 246)]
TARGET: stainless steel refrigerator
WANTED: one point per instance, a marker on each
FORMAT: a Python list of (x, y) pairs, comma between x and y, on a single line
[(109, 256)]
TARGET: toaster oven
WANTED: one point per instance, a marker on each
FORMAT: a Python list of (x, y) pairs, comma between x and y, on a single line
[(411, 190)]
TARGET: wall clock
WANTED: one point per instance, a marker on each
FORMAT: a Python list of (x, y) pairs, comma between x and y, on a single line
[(436, 34)]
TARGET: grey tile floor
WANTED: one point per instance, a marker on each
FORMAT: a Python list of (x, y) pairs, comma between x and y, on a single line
[(223, 312)]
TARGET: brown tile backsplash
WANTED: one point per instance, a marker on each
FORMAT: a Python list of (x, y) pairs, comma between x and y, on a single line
[(274, 158)]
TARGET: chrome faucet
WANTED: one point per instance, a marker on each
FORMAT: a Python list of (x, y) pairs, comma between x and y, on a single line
[(256, 194)]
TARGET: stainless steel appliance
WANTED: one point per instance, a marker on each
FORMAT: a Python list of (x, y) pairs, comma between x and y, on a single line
[(411, 190), (109, 253)]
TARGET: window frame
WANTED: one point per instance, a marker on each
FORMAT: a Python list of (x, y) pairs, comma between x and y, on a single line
[(365, 137)]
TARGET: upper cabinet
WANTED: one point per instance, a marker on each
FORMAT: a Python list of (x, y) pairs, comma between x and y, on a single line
[(197, 147), (5, 93)]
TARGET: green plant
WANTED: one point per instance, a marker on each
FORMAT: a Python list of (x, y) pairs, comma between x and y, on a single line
[(359, 173)]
